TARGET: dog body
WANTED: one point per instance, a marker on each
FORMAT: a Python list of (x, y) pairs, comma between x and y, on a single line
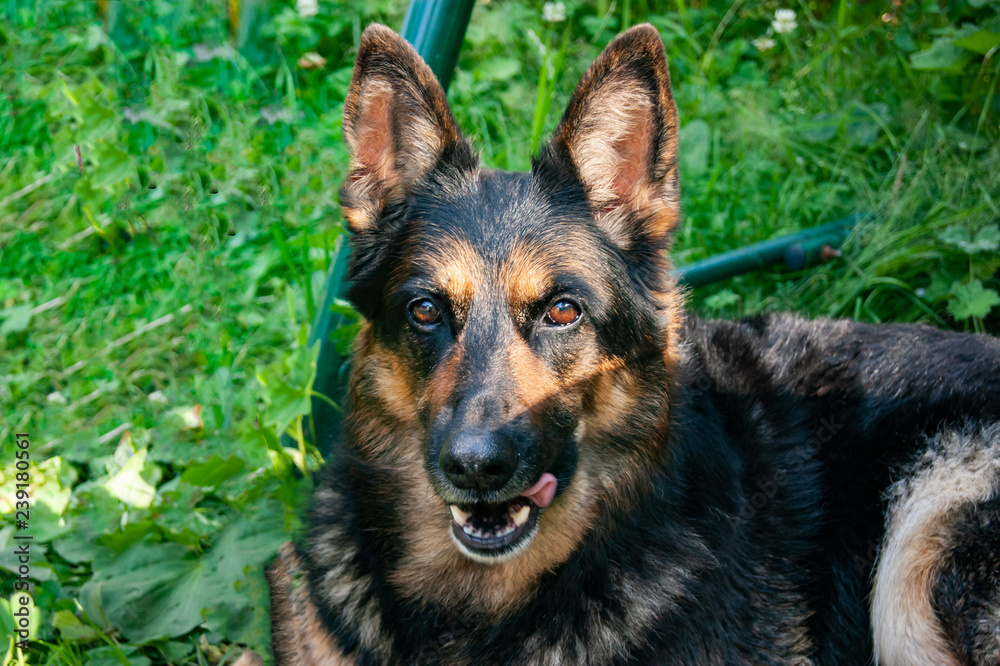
[(544, 462)]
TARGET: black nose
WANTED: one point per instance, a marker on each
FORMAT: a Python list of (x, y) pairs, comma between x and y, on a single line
[(478, 460)]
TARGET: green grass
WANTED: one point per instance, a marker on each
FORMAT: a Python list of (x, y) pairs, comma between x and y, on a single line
[(157, 287)]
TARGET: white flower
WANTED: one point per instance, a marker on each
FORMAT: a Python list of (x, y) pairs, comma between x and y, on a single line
[(56, 398), (784, 21), (553, 12), (158, 397), (306, 8), (763, 43)]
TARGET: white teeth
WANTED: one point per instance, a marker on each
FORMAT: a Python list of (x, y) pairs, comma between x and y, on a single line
[(483, 534), (521, 517), (514, 520), (460, 516)]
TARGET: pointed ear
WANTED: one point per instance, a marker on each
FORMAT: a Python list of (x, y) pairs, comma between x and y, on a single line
[(397, 125), (620, 134)]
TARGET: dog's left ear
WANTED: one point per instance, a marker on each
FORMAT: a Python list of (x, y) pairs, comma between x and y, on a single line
[(620, 133)]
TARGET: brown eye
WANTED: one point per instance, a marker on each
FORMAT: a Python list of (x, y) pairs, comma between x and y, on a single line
[(423, 312), (563, 313)]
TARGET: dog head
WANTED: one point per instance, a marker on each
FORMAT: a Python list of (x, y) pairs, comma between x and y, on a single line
[(519, 345)]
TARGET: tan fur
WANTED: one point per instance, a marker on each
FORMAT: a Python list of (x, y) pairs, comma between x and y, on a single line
[(612, 135), (435, 571), (526, 276), (962, 469), (299, 638), (456, 267), (343, 587), (392, 384), (535, 382), (614, 399), (248, 658), (443, 382), (526, 273)]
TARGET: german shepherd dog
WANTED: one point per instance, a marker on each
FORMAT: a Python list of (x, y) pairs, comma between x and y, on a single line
[(544, 461)]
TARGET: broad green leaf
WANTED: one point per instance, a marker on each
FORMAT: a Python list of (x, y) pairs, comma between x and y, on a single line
[(162, 590), (942, 55), (499, 69), (248, 624), (344, 308), (108, 656), (97, 514), (129, 486), (21, 605), (15, 318), (176, 651), (986, 239), (904, 39), (288, 385), (70, 627), (7, 623), (50, 481), (113, 165), (286, 402), (820, 128), (971, 300), (302, 366), (343, 338), (862, 128), (721, 300), (980, 42), (213, 472)]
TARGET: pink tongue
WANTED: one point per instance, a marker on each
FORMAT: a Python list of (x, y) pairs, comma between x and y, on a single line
[(543, 491)]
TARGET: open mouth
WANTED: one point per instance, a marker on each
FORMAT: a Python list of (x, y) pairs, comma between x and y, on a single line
[(495, 531), (493, 528)]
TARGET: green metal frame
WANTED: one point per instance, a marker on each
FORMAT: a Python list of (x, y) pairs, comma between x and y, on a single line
[(436, 29), (796, 250)]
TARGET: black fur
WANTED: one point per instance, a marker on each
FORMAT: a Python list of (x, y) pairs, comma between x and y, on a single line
[(968, 586)]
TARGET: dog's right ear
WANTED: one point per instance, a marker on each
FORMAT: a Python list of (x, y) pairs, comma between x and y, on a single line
[(397, 124)]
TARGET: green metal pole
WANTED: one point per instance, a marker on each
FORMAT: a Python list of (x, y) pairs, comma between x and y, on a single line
[(796, 250), (436, 29)]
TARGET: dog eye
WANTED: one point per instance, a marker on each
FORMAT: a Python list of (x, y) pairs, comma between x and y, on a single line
[(563, 313), (423, 312)]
